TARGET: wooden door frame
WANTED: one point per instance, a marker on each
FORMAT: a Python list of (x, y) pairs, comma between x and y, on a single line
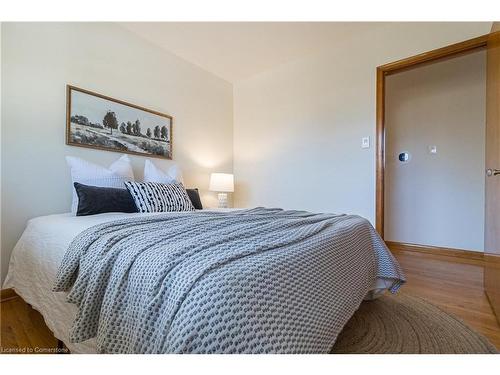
[(383, 71)]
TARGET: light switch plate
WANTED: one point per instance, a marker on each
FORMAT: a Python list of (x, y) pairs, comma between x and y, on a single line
[(365, 142)]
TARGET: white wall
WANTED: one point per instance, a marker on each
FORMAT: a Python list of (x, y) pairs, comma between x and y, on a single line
[(38, 60), (437, 199), (298, 127)]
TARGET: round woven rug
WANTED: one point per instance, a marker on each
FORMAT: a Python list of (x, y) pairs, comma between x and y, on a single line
[(406, 324)]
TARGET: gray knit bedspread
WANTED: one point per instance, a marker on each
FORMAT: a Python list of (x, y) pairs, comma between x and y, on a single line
[(249, 281)]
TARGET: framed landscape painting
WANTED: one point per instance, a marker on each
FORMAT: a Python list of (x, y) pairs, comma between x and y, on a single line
[(97, 121)]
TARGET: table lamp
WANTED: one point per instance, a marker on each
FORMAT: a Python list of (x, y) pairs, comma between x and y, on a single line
[(222, 183)]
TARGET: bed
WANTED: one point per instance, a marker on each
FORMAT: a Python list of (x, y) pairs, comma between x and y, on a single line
[(241, 281)]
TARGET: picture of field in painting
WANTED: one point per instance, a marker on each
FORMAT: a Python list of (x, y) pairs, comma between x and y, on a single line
[(100, 123)]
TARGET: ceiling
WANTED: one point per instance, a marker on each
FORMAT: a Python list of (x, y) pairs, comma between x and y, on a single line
[(237, 50)]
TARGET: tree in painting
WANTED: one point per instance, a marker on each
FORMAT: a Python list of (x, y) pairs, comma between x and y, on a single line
[(123, 128), (110, 121), (157, 131), (137, 127), (164, 132), (129, 127), (148, 133)]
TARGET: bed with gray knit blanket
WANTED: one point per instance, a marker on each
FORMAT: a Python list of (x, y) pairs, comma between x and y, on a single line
[(247, 281)]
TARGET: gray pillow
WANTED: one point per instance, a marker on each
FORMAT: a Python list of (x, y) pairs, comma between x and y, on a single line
[(194, 196), (94, 200)]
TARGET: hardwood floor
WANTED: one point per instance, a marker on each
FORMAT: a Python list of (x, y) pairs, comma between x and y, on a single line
[(23, 329), (453, 284)]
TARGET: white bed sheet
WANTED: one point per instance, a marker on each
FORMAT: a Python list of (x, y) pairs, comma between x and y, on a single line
[(34, 263)]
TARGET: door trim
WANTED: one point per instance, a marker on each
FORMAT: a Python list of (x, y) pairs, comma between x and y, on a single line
[(383, 71)]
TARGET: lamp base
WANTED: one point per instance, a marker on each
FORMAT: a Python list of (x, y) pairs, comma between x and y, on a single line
[(222, 200)]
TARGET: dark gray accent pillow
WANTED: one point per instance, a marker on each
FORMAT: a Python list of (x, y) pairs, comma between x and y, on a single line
[(194, 196), (94, 200)]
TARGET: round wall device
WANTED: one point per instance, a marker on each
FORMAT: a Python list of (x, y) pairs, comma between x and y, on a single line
[(404, 157)]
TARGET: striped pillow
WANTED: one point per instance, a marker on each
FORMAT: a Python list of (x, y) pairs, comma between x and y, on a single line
[(157, 197)]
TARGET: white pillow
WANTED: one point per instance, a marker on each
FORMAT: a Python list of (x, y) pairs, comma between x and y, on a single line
[(153, 174), (92, 174)]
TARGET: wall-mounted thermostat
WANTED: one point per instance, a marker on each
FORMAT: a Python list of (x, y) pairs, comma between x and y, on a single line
[(404, 157)]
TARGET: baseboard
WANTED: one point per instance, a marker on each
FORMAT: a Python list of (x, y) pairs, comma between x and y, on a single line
[(435, 250), (492, 258), (7, 294)]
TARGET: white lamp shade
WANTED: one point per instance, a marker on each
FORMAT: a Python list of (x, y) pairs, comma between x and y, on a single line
[(222, 182)]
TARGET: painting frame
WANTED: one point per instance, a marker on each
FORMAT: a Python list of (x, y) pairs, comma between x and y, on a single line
[(70, 142)]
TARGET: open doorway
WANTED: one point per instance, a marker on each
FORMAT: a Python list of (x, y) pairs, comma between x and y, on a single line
[(438, 174), (435, 119)]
